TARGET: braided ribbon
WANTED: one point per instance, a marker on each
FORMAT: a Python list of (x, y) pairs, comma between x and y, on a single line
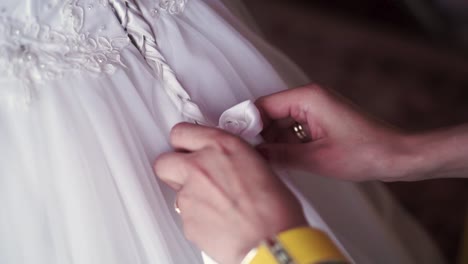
[(142, 36), (242, 120)]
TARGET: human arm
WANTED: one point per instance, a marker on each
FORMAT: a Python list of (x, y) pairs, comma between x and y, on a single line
[(441, 153), (349, 144), (230, 199)]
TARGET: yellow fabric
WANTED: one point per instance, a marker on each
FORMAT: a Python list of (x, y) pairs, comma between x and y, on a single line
[(263, 256), (305, 245)]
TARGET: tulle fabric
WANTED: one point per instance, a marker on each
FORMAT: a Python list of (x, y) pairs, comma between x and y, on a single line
[(76, 180), (365, 221)]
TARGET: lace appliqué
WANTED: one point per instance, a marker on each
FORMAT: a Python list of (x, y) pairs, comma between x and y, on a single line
[(33, 53), (173, 7)]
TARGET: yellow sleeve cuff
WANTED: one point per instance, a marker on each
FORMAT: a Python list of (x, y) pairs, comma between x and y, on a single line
[(304, 245)]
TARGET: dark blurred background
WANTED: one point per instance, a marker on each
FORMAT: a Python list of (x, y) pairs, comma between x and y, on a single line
[(404, 61)]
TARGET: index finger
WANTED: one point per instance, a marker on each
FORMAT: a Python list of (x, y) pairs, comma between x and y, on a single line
[(169, 167), (284, 104), (191, 137)]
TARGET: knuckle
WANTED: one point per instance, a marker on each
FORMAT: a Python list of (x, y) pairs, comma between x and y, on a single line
[(311, 90), (320, 92), (217, 135), (230, 143), (298, 113), (194, 166), (309, 97), (235, 144)]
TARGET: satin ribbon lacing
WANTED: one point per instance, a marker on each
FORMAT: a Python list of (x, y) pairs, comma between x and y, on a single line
[(142, 36), (243, 119)]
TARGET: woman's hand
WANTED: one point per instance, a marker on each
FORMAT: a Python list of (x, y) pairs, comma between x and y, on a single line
[(345, 143), (229, 198)]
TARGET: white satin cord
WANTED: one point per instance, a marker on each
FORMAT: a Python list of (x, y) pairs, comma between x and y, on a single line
[(142, 36), (243, 119)]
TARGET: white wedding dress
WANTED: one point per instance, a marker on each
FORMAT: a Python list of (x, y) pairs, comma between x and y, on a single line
[(89, 90)]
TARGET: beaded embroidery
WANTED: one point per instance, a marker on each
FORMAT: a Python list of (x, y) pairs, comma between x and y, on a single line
[(34, 52), (173, 7)]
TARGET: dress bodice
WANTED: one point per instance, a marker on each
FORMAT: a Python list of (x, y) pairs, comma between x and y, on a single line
[(43, 40)]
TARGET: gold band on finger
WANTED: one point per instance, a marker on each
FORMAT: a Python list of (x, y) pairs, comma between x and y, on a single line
[(176, 207), (300, 132)]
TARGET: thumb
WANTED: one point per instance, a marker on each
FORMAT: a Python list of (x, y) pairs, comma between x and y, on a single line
[(292, 156)]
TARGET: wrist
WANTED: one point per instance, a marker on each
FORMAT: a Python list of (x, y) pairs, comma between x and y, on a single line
[(407, 158), (270, 227), (251, 247), (393, 157), (436, 154)]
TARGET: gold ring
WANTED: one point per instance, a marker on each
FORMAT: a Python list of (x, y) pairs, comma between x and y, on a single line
[(300, 132), (176, 207)]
